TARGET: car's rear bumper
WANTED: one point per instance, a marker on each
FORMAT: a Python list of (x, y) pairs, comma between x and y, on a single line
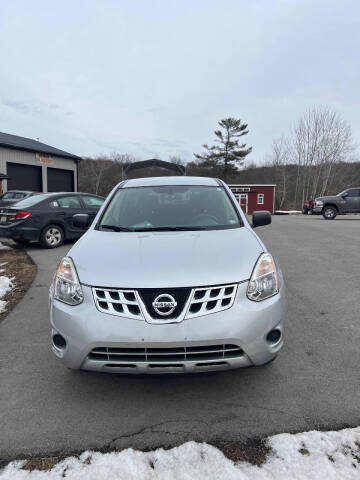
[(19, 231), (245, 325)]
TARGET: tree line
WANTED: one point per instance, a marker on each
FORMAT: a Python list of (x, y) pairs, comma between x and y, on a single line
[(316, 158)]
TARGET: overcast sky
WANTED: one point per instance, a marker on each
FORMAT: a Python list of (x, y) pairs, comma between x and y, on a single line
[(152, 77)]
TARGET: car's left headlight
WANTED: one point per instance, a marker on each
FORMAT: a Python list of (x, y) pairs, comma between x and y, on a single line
[(264, 281), (319, 203), (66, 285)]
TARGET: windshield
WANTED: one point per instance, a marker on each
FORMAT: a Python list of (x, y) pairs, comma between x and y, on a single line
[(342, 193), (13, 195), (30, 201), (8, 195), (176, 207)]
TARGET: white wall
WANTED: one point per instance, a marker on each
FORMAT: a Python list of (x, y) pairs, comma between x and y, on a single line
[(29, 158)]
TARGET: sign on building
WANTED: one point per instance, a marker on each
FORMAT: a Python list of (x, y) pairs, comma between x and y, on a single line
[(43, 158)]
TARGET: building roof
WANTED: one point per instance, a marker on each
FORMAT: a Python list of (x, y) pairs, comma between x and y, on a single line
[(29, 145), (153, 162), (252, 185), (178, 180)]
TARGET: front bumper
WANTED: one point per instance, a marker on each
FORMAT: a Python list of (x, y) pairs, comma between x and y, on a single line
[(246, 325), (317, 209)]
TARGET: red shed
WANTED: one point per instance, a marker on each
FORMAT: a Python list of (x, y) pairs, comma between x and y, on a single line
[(255, 197)]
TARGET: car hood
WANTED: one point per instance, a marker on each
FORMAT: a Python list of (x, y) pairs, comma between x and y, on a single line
[(165, 259), (332, 198)]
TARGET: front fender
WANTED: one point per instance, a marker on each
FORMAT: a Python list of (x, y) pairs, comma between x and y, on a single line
[(332, 204)]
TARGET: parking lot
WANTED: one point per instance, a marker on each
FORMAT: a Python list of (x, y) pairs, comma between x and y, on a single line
[(314, 383)]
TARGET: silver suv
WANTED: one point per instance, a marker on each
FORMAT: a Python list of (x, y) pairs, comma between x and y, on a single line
[(170, 277)]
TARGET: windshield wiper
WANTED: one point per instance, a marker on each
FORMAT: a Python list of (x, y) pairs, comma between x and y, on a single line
[(168, 229), (115, 228)]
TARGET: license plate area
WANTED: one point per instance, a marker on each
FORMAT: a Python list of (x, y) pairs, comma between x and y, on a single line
[(3, 219)]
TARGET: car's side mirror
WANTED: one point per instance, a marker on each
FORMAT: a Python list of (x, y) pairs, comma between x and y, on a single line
[(81, 220), (260, 218)]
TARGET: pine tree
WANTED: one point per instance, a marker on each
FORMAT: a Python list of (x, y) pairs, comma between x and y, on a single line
[(226, 153)]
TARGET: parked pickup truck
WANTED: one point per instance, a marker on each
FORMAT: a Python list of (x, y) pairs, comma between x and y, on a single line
[(347, 201)]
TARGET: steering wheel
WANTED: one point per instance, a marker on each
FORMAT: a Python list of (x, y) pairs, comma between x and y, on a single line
[(206, 215)]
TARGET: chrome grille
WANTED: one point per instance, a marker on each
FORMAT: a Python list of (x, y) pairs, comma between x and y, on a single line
[(211, 299), (123, 303), (131, 356), (128, 303)]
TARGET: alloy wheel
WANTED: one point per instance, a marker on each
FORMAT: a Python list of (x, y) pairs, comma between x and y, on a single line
[(329, 213), (53, 236)]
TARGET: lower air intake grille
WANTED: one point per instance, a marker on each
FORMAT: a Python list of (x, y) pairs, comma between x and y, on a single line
[(172, 354)]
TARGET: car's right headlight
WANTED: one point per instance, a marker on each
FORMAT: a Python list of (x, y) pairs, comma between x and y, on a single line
[(264, 281), (319, 203), (66, 285)]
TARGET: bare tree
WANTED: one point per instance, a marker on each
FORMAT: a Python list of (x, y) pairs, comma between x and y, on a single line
[(99, 175), (321, 138), (279, 159), (91, 174), (176, 159)]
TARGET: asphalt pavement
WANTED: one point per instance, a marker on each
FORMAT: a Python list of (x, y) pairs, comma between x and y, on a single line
[(47, 409)]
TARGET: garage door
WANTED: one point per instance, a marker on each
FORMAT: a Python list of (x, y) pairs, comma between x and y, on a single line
[(60, 180), (24, 177)]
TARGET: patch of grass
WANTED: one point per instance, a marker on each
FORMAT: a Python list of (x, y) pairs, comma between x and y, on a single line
[(18, 266), (304, 451), (254, 452), (44, 464)]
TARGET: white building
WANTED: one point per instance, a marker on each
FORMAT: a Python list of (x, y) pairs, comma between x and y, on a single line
[(27, 164)]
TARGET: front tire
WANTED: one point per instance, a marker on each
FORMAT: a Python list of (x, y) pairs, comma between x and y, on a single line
[(52, 236), (329, 213)]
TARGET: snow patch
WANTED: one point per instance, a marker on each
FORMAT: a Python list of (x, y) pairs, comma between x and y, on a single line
[(288, 212), (4, 247), (6, 285), (2, 265), (302, 456)]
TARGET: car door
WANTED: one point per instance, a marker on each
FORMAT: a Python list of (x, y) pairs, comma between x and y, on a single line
[(352, 200), (357, 204), (92, 205), (66, 207)]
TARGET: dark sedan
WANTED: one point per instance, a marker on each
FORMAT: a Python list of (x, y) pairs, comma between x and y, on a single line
[(48, 218), (13, 196)]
